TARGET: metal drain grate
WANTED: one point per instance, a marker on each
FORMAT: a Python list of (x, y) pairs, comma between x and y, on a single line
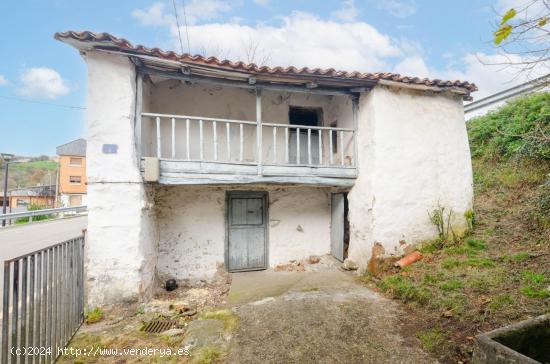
[(157, 326)]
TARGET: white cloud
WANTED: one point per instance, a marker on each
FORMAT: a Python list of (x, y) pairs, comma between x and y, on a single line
[(347, 13), (154, 15), (262, 2), (397, 8), (301, 39), (479, 68), (195, 11), (3, 80), (42, 82)]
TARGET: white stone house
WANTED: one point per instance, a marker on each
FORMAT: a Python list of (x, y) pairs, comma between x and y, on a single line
[(196, 164)]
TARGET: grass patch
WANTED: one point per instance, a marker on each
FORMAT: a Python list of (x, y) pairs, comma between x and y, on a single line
[(502, 301), (310, 289), (516, 258), (534, 278), (207, 355), (533, 292), (479, 262), (229, 318), (431, 339), (534, 285), (476, 244), (93, 316), (451, 285), (450, 263), (432, 279), (404, 289)]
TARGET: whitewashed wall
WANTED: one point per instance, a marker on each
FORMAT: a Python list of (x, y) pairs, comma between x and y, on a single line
[(192, 227), (414, 154), (122, 237), (174, 97)]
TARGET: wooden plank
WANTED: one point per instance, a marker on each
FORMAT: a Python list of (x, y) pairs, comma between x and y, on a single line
[(305, 171), (228, 140), (297, 145), (320, 147), (159, 149), (139, 109), (274, 144), (246, 247), (201, 141), (308, 127), (219, 179), (259, 130), (287, 160), (235, 121), (215, 134), (241, 142), (355, 111), (342, 148), (308, 146), (187, 146), (330, 148), (181, 166), (173, 138), (337, 226)]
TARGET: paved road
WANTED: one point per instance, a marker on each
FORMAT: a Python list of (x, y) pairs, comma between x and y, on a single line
[(18, 240)]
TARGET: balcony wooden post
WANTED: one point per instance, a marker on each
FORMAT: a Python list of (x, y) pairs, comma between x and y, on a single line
[(259, 130), (159, 147), (139, 109), (355, 110)]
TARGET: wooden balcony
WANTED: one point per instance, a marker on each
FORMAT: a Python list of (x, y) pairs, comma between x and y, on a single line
[(200, 150)]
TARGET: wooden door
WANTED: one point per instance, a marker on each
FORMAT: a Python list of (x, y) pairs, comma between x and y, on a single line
[(247, 231), (337, 226)]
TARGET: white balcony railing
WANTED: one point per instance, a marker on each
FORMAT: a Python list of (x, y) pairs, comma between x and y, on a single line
[(202, 139)]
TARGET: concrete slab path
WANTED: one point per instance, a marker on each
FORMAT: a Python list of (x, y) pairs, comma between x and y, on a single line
[(315, 317)]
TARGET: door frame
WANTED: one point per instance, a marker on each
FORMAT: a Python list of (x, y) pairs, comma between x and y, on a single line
[(264, 195)]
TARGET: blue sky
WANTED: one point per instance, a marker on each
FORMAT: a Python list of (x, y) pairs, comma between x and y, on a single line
[(39, 75)]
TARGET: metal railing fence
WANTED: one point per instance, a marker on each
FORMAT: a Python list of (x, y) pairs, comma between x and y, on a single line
[(43, 302)]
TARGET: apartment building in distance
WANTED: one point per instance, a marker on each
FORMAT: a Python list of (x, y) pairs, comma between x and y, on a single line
[(72, 173)]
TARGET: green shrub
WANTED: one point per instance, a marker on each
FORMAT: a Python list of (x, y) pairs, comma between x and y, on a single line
[(93, 316), (34, 207), (517, 129)]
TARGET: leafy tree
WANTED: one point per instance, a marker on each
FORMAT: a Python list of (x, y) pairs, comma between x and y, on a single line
[(523, 35)]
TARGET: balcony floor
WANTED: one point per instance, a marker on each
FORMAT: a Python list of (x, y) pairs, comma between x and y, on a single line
[(183, 172)]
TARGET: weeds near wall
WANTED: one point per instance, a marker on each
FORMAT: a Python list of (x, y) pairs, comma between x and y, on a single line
[(443, 222), (470, 217)]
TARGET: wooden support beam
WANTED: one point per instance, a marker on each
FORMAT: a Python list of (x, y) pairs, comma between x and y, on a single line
[(259, 130), (137, 116), (355, 113)]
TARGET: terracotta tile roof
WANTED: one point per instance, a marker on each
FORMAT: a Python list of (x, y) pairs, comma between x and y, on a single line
[(106, 39)]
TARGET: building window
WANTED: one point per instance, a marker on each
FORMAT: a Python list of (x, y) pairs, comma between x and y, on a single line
[(75, 179), (75, 162), (21, 203)]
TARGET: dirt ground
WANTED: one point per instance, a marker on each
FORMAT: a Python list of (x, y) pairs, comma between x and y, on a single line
[(314, 314)]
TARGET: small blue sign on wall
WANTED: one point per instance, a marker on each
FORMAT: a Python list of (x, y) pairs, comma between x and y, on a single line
[(110, 148)]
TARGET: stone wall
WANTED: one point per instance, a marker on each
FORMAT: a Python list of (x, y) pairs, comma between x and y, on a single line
[(414, 156), (192, 227), (122, 237)]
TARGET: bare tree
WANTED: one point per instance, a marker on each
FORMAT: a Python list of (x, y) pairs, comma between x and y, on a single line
[(254, 53), (522, 37)]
